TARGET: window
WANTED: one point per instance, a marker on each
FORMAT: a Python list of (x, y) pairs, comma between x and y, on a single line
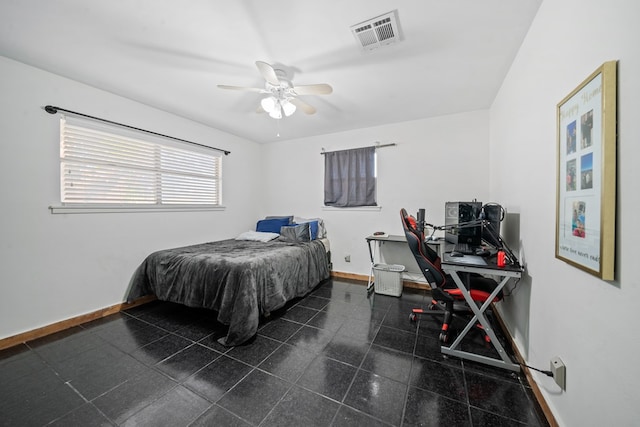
[(104, 165), (350, 178)]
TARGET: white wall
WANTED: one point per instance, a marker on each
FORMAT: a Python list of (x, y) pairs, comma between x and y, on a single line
[(435, 160), (558, 309), (54, 267)]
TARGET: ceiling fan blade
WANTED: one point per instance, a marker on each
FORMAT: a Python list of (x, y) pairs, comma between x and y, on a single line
[(250, 89), (268, 73), (318, 89), (303, 106)]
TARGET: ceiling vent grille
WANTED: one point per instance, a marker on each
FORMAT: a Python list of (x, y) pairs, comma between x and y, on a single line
[(380, 31)]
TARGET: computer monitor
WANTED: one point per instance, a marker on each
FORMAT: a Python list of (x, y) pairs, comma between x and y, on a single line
[(463, 223)]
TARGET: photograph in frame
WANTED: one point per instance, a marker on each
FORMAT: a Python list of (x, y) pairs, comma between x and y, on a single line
[(586, 174)]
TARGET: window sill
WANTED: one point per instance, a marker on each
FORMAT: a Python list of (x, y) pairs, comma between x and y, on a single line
[(89, 209), (357, 208)]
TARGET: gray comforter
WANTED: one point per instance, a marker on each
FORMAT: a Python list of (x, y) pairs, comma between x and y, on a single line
[(240, 280)]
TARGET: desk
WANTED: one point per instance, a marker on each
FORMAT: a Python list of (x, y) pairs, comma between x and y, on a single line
[(375, 243), (453, 266)]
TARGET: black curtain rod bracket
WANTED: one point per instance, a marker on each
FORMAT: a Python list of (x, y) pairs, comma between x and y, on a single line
[(54, 110)]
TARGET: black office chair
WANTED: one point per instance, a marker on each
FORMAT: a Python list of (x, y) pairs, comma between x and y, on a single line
[(447, 297)]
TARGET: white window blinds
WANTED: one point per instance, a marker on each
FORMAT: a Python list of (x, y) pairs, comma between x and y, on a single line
[(108, 166)]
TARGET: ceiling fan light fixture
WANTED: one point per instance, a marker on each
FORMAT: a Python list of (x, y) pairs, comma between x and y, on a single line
[(276, 113), (268, 104), (288, 107)]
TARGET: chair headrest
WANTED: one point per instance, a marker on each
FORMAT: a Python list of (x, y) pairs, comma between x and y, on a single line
[(408, 221)]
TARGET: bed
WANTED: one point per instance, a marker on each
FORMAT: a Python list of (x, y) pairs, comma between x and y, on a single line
[(241, 280)]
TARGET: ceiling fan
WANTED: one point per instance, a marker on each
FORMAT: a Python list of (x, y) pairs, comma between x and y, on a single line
[(282, 99)]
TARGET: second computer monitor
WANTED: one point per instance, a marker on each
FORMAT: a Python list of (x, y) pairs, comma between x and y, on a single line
[(463, 223)]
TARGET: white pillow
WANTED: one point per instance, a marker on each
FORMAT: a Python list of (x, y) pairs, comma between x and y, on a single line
[(258, 236)]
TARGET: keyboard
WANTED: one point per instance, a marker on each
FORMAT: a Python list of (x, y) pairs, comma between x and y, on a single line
[(464, 248)]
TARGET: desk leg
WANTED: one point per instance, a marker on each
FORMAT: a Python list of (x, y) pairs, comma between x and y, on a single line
[(370, 283), (505, 360)]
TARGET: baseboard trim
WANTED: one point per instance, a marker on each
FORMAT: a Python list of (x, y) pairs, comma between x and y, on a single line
[(88, 317), (69, 323), (365, 279), (546, 410), (350, 276)]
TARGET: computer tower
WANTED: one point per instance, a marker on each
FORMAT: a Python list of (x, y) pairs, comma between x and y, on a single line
[(462, 222)]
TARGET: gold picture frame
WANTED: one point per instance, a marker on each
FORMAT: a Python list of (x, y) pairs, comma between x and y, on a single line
[(586, 174)]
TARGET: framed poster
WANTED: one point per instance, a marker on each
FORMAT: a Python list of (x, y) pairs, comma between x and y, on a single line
[(586, 174)]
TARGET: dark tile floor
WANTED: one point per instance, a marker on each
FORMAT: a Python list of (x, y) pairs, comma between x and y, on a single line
[(333, 358)]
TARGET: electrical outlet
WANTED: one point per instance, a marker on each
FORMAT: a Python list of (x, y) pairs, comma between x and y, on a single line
[(559, 371), (347, 258)]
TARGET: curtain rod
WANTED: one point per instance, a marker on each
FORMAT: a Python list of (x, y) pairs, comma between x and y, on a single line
[(53, 110), (322, 153)]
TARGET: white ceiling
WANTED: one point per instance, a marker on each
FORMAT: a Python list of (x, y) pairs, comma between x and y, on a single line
[(171, 55)]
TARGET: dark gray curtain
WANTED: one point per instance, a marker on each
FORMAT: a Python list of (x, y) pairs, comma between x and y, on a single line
[(349, 178)]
